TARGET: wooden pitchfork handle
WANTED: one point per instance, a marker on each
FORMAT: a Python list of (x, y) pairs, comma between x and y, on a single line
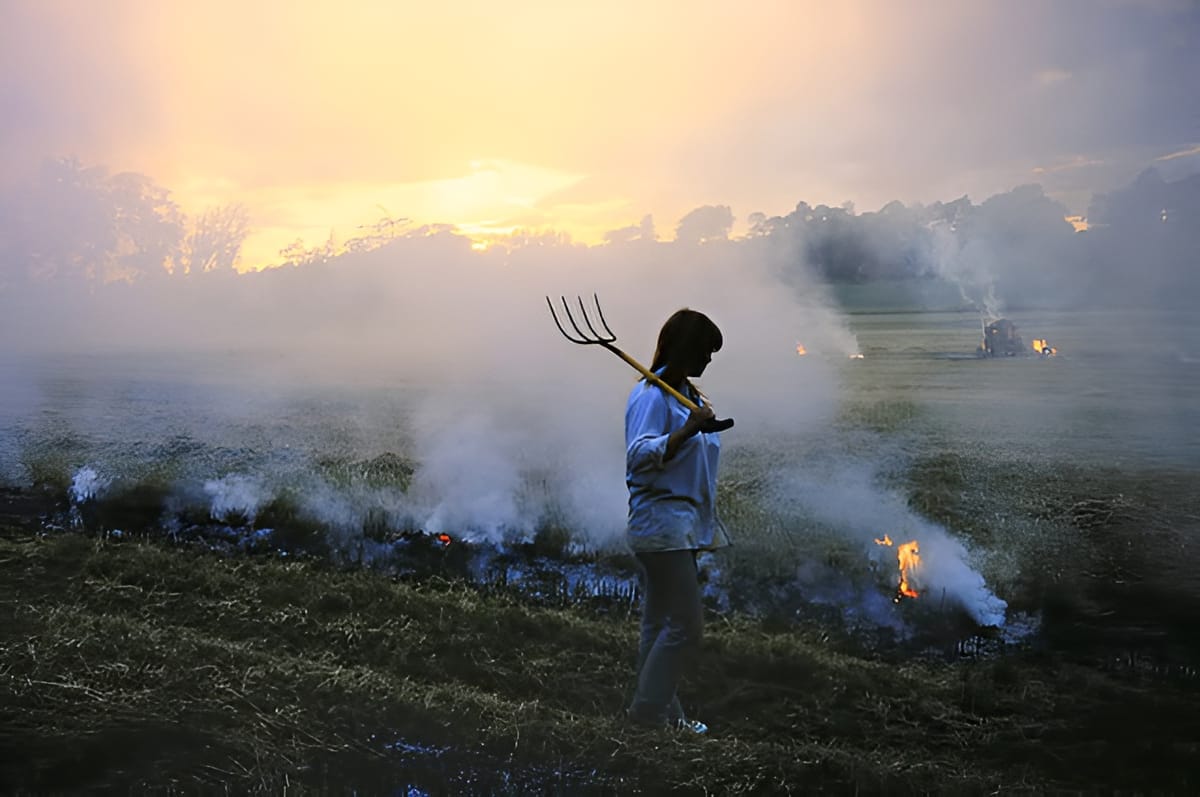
[(594, 338)]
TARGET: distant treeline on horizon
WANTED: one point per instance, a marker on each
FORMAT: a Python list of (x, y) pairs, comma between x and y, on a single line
[(75, 225)]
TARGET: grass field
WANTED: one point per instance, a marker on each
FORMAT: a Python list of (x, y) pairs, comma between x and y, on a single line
[(145, 666)]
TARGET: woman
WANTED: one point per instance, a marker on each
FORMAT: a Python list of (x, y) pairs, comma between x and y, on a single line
[(671, 471)]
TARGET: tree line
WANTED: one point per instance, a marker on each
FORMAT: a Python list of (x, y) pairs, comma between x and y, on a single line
[(80, 223), (77, 223)]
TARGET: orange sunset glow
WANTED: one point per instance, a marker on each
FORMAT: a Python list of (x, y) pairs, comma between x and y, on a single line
[(580, 118), (319, 118)]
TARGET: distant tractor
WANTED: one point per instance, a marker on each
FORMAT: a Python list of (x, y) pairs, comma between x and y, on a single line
[(1000, 339)]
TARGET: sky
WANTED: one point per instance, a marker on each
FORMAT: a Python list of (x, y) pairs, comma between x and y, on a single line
[(585, 117)]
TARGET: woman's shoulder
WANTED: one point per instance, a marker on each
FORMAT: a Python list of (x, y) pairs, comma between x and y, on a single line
[(646, 394)]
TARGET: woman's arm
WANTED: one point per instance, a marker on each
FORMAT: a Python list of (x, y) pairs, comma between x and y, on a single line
[(695, 422), (648, 444), (647, 419)]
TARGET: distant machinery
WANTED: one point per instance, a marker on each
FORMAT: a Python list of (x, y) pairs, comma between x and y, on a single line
[(1000, 339)]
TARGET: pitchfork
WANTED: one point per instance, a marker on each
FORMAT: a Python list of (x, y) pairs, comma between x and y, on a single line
[(594, 338)]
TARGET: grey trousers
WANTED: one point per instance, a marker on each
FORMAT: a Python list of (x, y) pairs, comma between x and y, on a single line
[(672, 626)]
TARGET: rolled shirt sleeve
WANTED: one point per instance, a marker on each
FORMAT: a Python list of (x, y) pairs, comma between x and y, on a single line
[(672, 503), (647, 427)]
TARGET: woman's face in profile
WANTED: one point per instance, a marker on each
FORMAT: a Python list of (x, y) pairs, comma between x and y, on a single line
[(700, 362)]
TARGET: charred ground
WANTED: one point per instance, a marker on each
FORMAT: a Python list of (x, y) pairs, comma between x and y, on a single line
[(148, 665)]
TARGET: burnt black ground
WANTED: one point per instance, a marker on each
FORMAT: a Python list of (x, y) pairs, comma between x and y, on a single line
[(142, 665)]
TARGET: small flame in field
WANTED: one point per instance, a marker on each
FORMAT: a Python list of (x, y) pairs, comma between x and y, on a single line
[(856, 356), (909, 557), (444, 539), (1042, 347), (800, 350)]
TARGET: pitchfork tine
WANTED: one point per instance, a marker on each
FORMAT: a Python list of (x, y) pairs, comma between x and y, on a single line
[(571, 318), (608, 339), (558, 324), (588, 321), (603, 323)]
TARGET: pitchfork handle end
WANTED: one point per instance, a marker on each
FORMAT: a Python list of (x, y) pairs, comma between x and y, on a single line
[(717, 425)]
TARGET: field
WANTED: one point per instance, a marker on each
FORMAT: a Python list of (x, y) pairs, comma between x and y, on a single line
[(143, 665), (170, 630)]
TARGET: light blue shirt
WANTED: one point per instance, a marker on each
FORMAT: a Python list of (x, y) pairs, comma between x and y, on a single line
[(672, 505)]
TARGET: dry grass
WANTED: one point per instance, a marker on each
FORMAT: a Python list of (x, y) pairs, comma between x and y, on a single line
[(145, 667)]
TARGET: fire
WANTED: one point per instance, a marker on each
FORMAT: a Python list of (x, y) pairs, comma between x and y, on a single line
[(444, 539), (800, 350), (1042, 347), (909, 557)]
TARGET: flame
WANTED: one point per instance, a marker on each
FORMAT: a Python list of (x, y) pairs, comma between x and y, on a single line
[(1042, 347), (909, 557), (856, 356), (800, 350), (444, 539)]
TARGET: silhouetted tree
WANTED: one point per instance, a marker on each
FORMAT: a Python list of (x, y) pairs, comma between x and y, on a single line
[(378, 235), (706, 223), (215, 240), (642, 231), (78, 223), (1146, 238), (149, 227)]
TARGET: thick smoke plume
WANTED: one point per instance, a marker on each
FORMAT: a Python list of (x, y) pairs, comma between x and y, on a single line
[(849, 498), (508, 422), (509, 427)]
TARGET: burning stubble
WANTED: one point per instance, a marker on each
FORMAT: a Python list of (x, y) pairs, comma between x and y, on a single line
[(507, 426), (908, 558), (846, 497)]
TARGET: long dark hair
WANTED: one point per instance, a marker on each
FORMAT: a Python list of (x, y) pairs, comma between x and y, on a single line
[(686, 335)]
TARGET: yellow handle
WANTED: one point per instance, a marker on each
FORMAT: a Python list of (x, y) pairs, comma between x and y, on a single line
[(653, 377)]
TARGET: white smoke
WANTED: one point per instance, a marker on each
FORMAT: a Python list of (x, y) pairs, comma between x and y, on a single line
[(470, 475), (87, 484), (517, 425), (235, 496), (970, 267), (509, 426), (849, 499)]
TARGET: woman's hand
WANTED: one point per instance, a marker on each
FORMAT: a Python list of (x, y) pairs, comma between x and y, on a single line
[(698, 419)]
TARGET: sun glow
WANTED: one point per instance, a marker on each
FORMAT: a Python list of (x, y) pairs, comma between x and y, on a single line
[(535, 116), (483, 192)]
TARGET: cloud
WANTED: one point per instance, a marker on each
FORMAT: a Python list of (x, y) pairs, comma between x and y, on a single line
[(1076, 162), (1183, 153), (867, 101)]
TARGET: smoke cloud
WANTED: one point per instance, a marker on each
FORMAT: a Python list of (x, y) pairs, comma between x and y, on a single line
[(508, 422), (510, 427), (848, 497)]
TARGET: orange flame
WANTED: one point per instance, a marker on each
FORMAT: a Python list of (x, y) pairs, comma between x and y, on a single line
[(800, 350), (1042, 347), (909, 557), (444, 539)]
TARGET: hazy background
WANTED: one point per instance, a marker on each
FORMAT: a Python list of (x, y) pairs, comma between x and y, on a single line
[(586, 117), (246, 237)]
